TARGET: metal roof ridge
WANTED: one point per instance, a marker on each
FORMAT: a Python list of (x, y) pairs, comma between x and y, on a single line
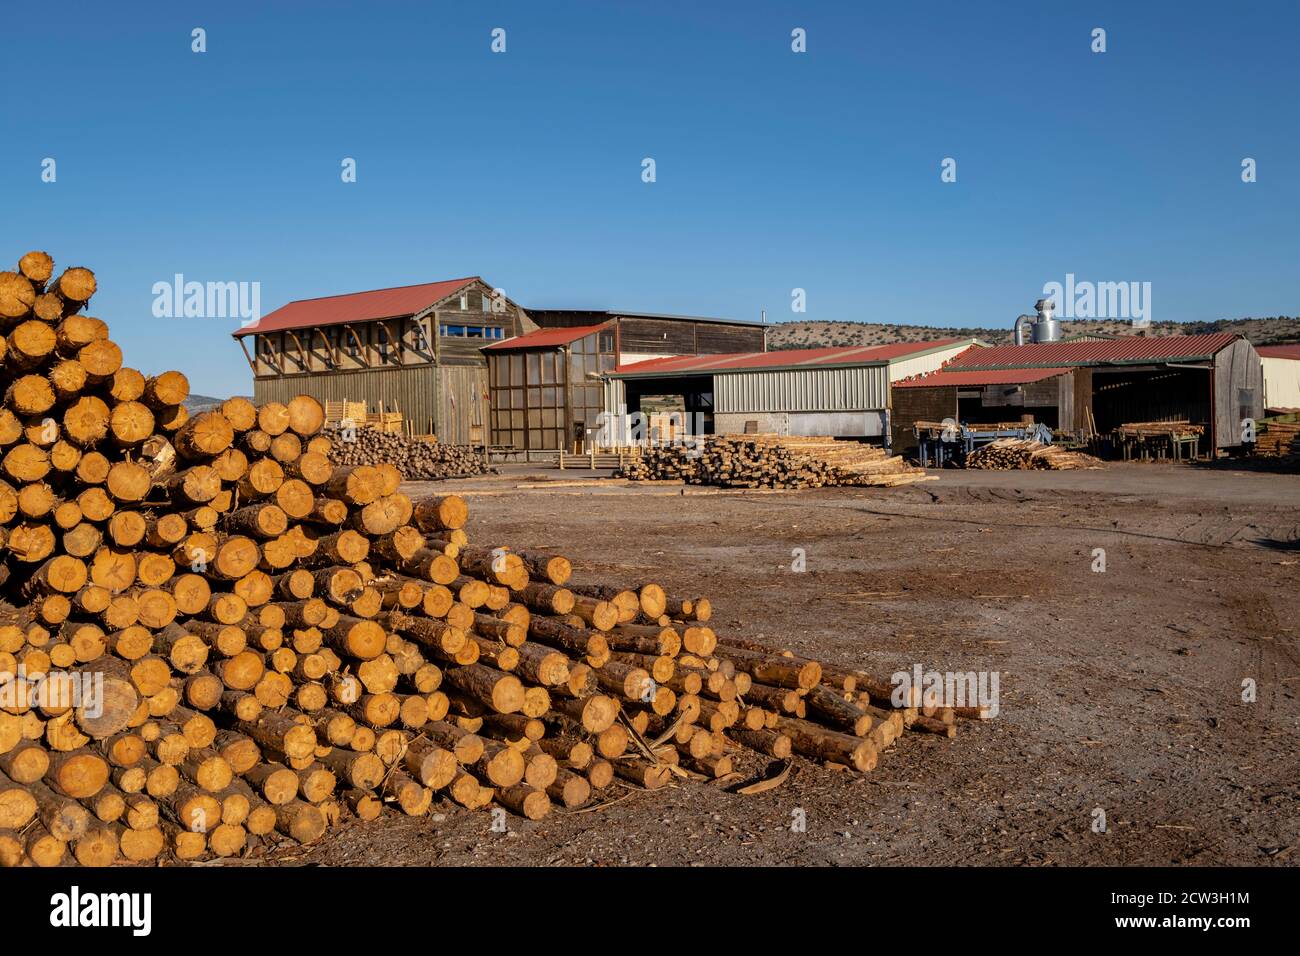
[(387, 288)]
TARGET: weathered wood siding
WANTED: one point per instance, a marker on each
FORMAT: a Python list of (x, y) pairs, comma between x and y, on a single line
[(411, 391), (912, 405), (1238, 391), (686, 337)]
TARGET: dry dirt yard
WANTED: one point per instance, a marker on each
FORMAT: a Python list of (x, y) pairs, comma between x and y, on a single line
[(1120, 690)]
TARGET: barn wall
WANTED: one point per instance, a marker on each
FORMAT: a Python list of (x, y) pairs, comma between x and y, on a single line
[(911, 405), (686, 337), (412, 391), (1238, 391)]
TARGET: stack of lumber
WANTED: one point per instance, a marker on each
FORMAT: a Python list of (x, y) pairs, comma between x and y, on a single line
[(1279, 440), (417, 459), (213, 638), (1022, 454), (1174, 429), (772, 461), (338, 413)]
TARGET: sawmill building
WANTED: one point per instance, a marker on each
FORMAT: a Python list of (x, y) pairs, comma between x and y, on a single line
[(838, 391), (414, 349), (547, 388), (1213, 381)]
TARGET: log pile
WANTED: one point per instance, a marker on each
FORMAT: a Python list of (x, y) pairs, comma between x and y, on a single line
[(1022, 454), (772, 461), (415, 458), (213, 639), (1279, 442)]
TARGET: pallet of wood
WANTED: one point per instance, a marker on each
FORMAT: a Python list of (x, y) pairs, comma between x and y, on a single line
[(337, 412), (1016, 454), (213, 639), (772, 461)]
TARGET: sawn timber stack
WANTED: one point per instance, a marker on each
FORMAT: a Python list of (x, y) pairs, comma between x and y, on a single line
[(215, 639)]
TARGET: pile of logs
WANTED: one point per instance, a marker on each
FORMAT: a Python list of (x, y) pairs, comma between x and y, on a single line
[(212, 638), (1022, 454), (772, 461), (1279, 442), (415, 458)]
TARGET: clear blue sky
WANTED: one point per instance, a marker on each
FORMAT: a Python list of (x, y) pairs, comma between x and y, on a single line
[(775, 170)]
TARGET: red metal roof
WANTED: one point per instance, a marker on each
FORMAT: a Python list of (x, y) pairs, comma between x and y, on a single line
[(1280, 351), (355, 307), (544, 338), (1125, 350), (783, 358), (962, 379)]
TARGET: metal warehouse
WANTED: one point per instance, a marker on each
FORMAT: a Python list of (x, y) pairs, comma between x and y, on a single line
[(842, 391), (1212, 381)]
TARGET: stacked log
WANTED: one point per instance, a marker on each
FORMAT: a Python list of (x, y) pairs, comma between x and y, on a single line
[(1017, 454), (772, 461), (417, 459), (213, 637), (1278, 445)]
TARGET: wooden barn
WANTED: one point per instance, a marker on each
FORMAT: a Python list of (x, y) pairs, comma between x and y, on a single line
[(413, 349), (547, 387)]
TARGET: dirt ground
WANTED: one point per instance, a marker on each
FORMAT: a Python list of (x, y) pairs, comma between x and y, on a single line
[(1120, 690)]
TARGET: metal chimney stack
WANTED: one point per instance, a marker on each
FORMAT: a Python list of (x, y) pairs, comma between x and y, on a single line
[(1046, 329), (1042, 327)]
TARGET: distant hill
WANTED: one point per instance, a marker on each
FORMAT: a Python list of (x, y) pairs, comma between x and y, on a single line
[(811, 335), (201, 403)]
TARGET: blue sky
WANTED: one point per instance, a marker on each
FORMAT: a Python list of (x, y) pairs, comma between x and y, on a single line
[(775, 170)]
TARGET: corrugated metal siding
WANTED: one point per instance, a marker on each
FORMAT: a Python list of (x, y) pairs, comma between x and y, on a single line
[(802, 390)]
